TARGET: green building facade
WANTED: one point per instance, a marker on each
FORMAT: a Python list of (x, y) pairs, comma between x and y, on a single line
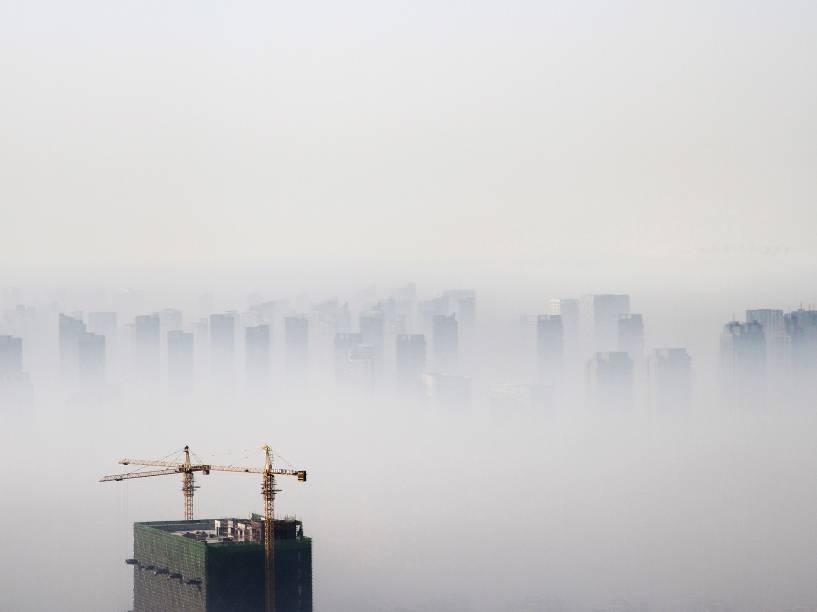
[(217, 565)]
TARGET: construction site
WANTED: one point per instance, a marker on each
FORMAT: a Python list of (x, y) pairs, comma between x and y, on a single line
[(217, 565), (224, 564)]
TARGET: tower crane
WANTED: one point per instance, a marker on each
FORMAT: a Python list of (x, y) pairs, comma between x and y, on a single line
[(268, 491), (185, 468)]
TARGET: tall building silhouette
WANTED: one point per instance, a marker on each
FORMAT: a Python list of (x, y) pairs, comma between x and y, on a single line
[(344, 344), (669, 372), (801, 331), (602, 312), (610, 380), (222, 344), (296, 341), (550, 348), (258, 352), (410, 361), (372, 331), (445, 343), (743, 364), (180, 361), (70, 329), (145, 347), (11, 354), (631, 337), (92, 359)]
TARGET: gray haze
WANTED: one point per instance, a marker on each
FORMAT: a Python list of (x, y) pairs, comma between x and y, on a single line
[(215, 158)]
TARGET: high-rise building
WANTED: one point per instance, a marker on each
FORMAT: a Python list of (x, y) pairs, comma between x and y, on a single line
[(445, 343), (410, 361), (610, 379), (344, 343), (296, 341), (217, 565), (91, 358), (631, 336), (11, 354), (145, 347), (603, 312), (70, 329), (778, 347), (801, 331), (463, 303), (258, 352), (743, 364), (180, 361), (222, 344), (670, 379), (550, 347), (373, 333), (360, 367), (568, 310)]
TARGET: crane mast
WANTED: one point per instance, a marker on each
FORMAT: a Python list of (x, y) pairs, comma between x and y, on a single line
[(186, 468), (268, 492)]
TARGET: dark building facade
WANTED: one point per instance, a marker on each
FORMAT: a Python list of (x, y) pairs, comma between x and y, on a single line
[(217, 565)]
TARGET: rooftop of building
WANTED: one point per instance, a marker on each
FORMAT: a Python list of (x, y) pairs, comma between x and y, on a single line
[(228, 530)]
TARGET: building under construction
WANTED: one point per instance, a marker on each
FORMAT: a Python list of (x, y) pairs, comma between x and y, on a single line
[(217, 565)]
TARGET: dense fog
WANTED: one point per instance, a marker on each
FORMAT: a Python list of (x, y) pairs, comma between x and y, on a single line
[(526, 287), (530, 492)]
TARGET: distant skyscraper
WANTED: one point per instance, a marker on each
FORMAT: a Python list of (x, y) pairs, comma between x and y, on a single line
[(410, 361), (568, 309), (631, 336), (743, 364), (461, 302), (296, 340), (11, 354), (445, 341), (778, 346), (91, 358), (145, 347), (70, 329), (427, 310), (610, 379), (222, 343), (258, 347), (344, 344), (801, 330), (360, 367), (670, 379), (603, 312), (372, 332), (180, 361), (550, 347)]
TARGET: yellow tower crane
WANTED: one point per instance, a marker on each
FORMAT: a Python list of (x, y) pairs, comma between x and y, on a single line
[(185, 468), (268, 491)]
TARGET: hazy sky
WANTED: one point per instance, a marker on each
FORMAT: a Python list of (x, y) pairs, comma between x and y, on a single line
[(188, 133)]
